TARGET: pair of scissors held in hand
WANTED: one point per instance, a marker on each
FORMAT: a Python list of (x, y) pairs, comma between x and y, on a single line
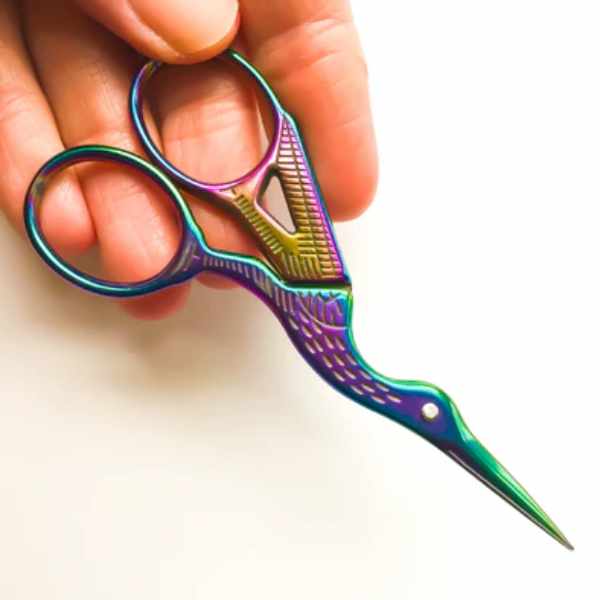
[(303, 279)]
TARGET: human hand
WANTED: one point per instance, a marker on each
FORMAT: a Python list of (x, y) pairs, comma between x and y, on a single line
[(65, 71)]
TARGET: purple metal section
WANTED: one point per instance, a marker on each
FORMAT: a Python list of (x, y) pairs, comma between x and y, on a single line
[(319, 323)]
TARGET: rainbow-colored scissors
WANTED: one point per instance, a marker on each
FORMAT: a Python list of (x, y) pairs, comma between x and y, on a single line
[(303, 280)]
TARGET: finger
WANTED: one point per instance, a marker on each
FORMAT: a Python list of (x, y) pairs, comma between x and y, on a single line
[(311, 53), (28, 138), (86, 72), (210, 131), (178, 31)]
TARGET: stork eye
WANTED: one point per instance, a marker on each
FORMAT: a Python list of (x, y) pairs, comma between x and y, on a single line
[(430, 411)]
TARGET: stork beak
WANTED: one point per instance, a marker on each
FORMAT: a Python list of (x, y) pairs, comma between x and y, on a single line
[(476, 459)]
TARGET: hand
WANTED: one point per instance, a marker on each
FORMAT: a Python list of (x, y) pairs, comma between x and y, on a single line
[(65, 71)]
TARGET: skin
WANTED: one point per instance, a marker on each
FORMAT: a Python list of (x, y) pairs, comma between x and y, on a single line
[(65, 72)]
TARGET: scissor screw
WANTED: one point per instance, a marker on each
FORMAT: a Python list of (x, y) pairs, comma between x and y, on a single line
[(430, 411)]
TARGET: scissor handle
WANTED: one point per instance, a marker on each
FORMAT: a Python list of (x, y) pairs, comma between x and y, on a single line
[(308, 254), (190, 184), (185, 263)]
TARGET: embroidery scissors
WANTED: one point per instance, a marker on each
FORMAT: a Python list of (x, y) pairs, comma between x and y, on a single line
[(302, 279)]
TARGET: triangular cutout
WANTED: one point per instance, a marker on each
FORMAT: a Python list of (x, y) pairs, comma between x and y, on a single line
[(273, 201)]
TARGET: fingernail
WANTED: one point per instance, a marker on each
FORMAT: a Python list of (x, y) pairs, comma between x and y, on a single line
[(190, 27)]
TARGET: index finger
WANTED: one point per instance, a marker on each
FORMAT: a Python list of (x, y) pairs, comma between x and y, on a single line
[(311, 54)]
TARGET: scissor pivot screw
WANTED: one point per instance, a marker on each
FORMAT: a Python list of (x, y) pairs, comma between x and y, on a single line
[(430, 411)]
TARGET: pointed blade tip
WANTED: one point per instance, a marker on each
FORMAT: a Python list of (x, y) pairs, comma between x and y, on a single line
[(560, 537), (566, 543)]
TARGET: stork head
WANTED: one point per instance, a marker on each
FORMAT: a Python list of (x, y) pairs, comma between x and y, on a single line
[(437, 418)]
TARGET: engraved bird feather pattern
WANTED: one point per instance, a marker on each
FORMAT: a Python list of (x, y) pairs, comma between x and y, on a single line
[(310, 252), (317, 257), (319, 323)]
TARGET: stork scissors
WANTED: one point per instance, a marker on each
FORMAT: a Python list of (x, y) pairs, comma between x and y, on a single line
[(302, 279)]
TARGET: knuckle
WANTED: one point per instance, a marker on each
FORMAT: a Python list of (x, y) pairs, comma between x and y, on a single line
[(16, 101)]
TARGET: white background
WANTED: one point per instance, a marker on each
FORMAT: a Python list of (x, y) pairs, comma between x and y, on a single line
[(200, 458)]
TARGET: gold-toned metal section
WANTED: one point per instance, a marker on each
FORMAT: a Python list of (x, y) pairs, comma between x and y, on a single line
[(310, 253)]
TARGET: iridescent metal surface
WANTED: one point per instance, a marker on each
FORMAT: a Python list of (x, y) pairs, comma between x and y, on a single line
[(310, 253), (304, 283)]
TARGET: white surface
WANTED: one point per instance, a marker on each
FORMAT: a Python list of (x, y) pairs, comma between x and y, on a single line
[(200, 458)]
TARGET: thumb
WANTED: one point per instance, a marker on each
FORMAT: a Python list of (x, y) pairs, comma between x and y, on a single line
[(178, 31)]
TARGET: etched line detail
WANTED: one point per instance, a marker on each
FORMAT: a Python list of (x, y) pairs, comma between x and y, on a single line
[(310, 252), (310, 347), (339, 360), (350, 374), (318, 322), (325, 337), (317, 250)]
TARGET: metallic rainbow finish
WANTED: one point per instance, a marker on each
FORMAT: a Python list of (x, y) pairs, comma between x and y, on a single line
[(310, 253), (313, 304)]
